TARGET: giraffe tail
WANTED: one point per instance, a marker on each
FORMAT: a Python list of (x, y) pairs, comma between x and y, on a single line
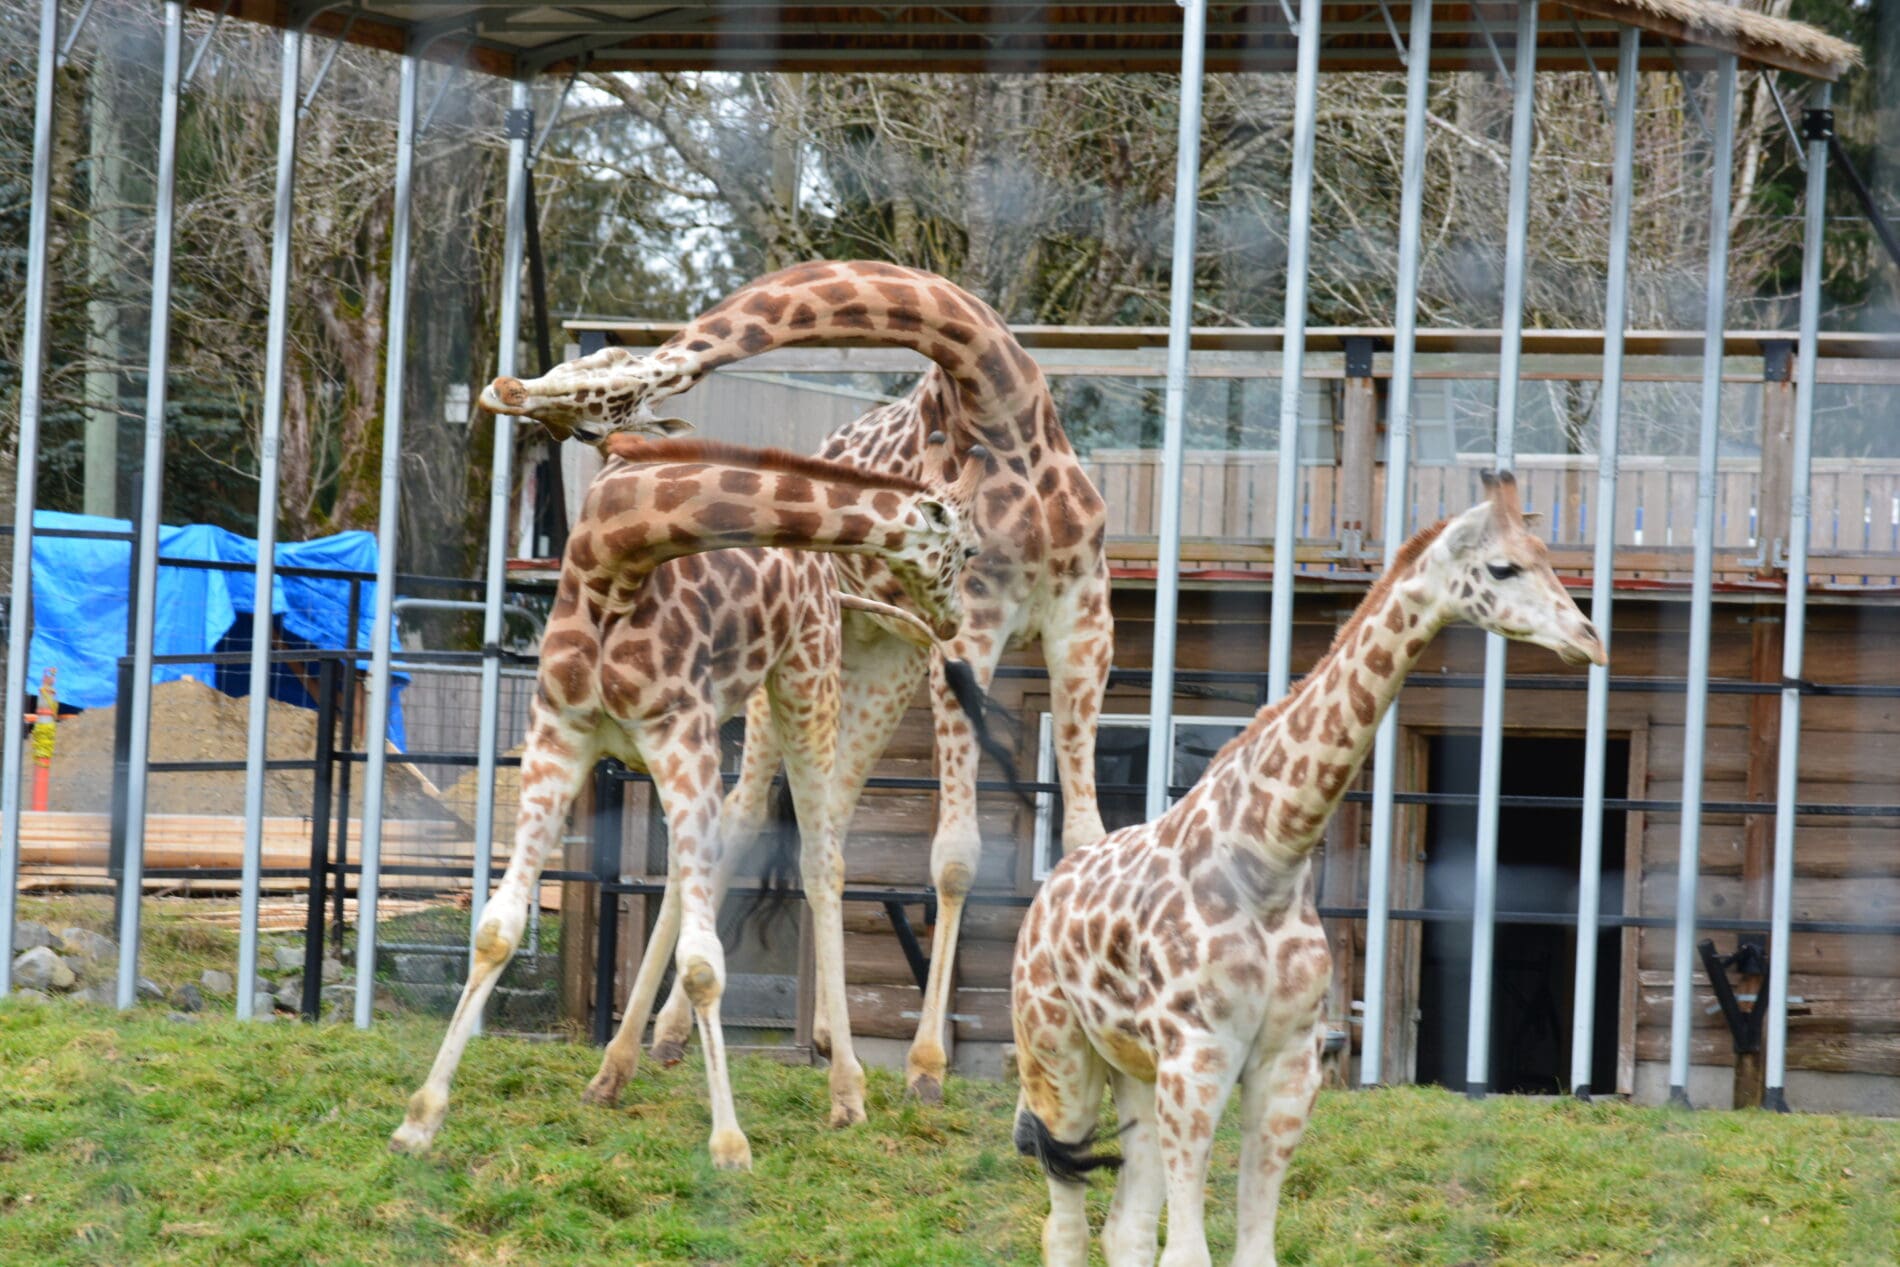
[(961, 680), (1065, 1163)]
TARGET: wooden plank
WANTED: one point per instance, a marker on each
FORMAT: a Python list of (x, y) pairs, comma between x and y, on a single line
[(1818, 954), (1869, 1005), (1864, 899), (1822, 1052)]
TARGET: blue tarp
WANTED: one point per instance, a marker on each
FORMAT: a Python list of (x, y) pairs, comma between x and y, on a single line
[(80, 602)]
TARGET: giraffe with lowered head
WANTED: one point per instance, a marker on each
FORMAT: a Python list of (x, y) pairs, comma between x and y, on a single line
[(1042, 574), (1184, 956), (652, 644)]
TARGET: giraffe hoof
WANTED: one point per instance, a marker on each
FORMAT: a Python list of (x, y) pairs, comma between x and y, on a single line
[(846, 1114), (602, 1092), (927, 1089), (412, 1139), (668, 1052), (731, 1151)]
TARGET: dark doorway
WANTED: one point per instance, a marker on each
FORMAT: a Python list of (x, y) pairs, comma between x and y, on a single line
[(1533, 965)]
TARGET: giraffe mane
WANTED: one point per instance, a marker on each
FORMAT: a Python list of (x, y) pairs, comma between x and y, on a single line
[(645, 451)]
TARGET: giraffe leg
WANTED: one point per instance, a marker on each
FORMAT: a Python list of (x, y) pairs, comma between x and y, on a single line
[(677, 753), (805, 708), (1185, 1116), (1062, 1080), (953, 859), (622, 1056), (1078, 644), (553, 767), (1133, 1228), (740, 820), (1276, 1099)]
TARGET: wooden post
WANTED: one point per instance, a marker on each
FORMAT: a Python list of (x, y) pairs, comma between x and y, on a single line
[(1359, 442), (1765, 635)]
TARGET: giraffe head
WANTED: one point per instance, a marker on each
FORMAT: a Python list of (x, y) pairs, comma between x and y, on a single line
[(597, 395), (929, 565), (1488, 568)]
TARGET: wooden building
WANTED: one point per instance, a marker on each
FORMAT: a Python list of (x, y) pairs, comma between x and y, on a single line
[(1845, 1030)]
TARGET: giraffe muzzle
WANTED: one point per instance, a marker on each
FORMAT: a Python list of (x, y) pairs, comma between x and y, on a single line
[(504, 395)]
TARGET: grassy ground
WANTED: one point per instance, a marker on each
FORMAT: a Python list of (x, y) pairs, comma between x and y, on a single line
[(142, 1140)]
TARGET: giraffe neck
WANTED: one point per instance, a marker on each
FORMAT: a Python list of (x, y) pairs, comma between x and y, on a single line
[(1278, 782), (642, 515), (1002, 387)]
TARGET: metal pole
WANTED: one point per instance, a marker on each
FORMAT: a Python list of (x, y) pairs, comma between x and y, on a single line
[(1820, 127), (1187, 183), (1602, 587), (1695, 713), (1385, 757), (26, 479), (1491, 739), (1293, 351), (265, 577), (520, 125), (151, 498), (376, 732)]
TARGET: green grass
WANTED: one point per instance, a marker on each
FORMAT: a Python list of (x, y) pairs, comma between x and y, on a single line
[(139, 1140)]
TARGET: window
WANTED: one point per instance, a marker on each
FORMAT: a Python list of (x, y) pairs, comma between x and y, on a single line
[(1121, 771)]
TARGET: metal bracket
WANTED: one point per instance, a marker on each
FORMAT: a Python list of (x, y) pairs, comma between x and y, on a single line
[(1777, 360), (518, 125), (1359, 356), (1817, 124), (1750, 960)]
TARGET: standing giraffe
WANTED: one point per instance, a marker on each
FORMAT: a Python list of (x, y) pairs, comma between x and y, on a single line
[(650, 647), (1041, 575), (1184, 955)]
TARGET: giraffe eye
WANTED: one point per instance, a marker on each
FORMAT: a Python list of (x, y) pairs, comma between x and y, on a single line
[(1502, 571)]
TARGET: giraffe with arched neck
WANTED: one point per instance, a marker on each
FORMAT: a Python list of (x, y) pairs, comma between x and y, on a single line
[(653, 643), (1042, 574), (1183, 957)]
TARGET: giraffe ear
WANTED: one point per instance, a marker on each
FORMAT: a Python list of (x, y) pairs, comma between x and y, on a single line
[(936, 513), (668, 426)]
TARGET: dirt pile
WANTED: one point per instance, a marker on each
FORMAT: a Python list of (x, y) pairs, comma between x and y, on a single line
[(195, 722)]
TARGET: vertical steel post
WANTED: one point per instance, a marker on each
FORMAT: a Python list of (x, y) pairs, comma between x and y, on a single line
[(1602, 578), (376, 732), (1696, 711), (1491, 741), (151, 503), (1820, 125), (265, 577), (1385, 757), (26, 477), (1293, 351), (1187, 183), (501, 474)]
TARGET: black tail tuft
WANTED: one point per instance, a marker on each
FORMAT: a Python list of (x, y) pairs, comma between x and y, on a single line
[(1065, 1163), (778, 875), (976, 706)]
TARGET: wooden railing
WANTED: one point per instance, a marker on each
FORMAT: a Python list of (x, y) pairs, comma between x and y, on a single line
[(1229, 498)]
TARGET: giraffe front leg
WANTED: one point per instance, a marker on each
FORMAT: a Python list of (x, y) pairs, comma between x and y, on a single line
[(1276, 1100), (552, 769), (954, 854)]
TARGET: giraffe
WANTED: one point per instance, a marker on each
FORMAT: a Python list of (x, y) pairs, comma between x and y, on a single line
[(651, 645), (1181, 957), (1042, 574)]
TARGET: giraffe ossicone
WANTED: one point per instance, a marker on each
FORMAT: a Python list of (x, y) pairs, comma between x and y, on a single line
[(689, 591), (1183, 957), (1042, 575)]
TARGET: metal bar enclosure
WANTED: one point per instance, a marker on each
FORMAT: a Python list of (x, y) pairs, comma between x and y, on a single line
[(1187, 183), (1491, 745), (151, 501), (500, 475), (1795, 624), (265, 578), (1293, 350), (1385, 756), (1602, 587), (1701, 589), (26, 475), (376, 731)]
